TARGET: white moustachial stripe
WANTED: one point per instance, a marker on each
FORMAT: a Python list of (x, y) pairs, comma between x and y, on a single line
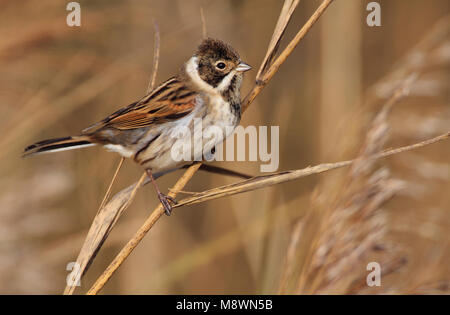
[(225, 84), (192, 71)]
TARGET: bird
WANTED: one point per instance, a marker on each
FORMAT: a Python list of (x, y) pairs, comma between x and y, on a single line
[(205, 90)]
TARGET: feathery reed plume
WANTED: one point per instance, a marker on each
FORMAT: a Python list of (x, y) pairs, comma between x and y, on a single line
[(346, 229), (352, 226)]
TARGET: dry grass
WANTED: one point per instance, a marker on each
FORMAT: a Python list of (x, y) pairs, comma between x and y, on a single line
[(377, 187), (314, 235), (345, 230), (267, 70)]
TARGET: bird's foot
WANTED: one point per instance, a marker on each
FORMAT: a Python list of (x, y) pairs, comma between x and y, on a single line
[(167, 202)]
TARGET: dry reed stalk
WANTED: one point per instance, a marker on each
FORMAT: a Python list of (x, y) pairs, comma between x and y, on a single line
[(420, 237), (79, 63), (349, 228), (202, 17), (282, 23), (102, 225), (107, 217), (264, 76), (223, 245), (156, 49), (413, 62), (139, 235), (108, 191), (352, 226), (255, 183), (291, 253), (386, 189), (261, 82), (259, 182), (75, 99), (237, 188), (100, 228)]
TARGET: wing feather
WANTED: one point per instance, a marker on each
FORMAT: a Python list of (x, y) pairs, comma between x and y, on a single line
[(170, 101)]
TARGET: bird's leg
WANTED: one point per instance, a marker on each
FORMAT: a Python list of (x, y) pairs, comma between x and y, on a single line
[(164, 199)]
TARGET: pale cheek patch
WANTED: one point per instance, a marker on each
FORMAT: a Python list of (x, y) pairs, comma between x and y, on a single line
[(192, 71)]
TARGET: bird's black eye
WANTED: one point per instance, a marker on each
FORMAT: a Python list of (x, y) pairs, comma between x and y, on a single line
[(221, 65)]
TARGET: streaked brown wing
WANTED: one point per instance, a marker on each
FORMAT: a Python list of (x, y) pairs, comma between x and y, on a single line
[(170, 101), (151, 115)]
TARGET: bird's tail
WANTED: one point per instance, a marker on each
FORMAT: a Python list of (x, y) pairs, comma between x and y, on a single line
[(58, 144)]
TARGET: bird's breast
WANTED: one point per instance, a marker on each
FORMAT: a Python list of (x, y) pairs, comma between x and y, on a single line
[(222, 113), (212, 120)]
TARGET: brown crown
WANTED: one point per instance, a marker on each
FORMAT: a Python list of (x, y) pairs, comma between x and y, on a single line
[(218, 49)]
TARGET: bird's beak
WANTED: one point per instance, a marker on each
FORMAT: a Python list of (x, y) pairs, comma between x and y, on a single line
[(242, 67)]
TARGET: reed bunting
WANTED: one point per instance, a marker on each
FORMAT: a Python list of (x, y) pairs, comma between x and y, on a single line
[(207, 88)]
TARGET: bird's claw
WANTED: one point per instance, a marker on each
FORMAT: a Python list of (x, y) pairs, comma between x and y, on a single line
[(166, 202)]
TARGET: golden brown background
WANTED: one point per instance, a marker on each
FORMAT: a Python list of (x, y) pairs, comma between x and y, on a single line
[(56, 80)]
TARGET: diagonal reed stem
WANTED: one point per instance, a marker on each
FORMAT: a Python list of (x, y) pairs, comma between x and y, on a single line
[(139, 235), (88, 252), (261, 82), (108, 191)]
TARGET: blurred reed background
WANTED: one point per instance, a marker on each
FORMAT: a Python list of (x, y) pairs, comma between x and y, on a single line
[(291, 238)]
